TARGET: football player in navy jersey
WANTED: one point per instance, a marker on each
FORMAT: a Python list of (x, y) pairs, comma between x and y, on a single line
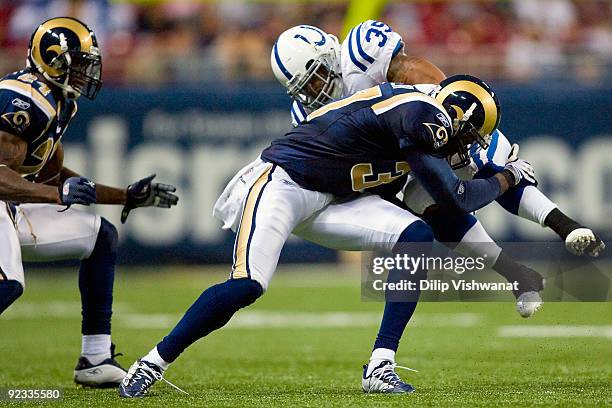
[(326, 167), (37, 219)]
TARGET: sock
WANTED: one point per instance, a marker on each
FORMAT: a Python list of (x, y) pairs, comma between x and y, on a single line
[(379, 355), (524, 200), (534, 205), (397, 314), (96, 347), (211, 311), (96, 277), (155, 358), (10, 290), (561, 223), (528, 279)]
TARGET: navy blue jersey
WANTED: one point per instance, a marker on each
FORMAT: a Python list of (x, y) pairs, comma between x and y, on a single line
[(358, 143), (29, 110), (374, 139)]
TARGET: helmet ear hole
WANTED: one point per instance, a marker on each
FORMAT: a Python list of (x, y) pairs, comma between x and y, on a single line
[(309, 63)]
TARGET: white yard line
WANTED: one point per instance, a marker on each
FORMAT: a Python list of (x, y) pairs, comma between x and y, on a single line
[(555, 331), (125, 316), (257, 319)]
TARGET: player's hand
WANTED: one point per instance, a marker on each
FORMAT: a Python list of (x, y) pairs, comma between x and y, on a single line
[(519, 168), (77, 190), (143, 193)]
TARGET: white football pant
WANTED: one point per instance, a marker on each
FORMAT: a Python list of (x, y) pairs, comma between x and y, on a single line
[(275, 206), (39, 233)]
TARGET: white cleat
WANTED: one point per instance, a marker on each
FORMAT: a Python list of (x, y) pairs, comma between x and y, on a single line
[(583, 241), (382, 379), (107, 374), (528, 303)]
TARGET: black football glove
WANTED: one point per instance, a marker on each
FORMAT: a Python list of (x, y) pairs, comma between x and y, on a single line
[(143, 193), (77, 190)]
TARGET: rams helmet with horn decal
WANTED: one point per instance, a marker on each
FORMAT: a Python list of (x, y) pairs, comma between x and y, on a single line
[(475, 111), (65, 51)]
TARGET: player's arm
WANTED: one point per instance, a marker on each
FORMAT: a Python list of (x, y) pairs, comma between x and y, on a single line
[(406, 69), (13, 187), (143, 193), (104, 194), (448, 190)]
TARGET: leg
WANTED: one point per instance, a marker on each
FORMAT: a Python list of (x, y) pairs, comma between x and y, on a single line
[(466, 235), (527, 201), (273, 207), (11, 268), (371, 223), (47, 235)]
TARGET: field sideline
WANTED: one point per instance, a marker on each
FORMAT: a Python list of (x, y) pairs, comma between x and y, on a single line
[(304, 342)]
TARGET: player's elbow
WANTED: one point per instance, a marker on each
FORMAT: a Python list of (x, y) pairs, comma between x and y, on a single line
[(454, 202)]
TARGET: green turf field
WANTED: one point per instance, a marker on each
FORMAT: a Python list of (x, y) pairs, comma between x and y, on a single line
[(304, 342)]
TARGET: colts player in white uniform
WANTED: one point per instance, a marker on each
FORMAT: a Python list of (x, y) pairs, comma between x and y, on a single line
[(37, 220), (316, 69)]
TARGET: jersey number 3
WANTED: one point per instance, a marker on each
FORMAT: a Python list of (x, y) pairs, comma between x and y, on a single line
[(362, 175), (379, 32)]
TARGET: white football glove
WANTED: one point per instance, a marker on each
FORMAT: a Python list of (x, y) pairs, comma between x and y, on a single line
[(519, 168)]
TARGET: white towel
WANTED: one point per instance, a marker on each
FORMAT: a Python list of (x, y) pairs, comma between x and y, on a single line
[(228, 207)]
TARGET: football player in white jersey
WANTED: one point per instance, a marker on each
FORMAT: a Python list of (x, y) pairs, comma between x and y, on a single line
[(316, 70), (38, 219)]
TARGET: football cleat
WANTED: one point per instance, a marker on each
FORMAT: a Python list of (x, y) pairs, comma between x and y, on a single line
[(140, 377), (528, 303), (584, 241), (384, 380), (528, 300), (107, 374)]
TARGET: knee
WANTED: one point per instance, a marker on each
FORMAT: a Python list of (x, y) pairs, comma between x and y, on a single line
[(252, 289), (10, 291), (418, 231), (108, 238), (242, 292)]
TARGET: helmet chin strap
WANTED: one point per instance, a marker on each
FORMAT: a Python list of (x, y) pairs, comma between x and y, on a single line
[(67, 90)]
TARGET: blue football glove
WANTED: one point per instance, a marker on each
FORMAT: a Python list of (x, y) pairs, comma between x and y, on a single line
[(143, 193), (77, 190)]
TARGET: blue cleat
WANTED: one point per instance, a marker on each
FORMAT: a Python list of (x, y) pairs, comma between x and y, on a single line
[(384, 380), (140, 377)]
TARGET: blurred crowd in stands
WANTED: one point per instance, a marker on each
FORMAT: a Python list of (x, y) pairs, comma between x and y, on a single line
[(172, 42)]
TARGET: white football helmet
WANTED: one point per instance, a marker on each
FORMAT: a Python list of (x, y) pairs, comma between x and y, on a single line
[(306, 61)]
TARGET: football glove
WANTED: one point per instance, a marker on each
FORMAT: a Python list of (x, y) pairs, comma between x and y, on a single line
[(77, 190), (519, 169), (143, 193)]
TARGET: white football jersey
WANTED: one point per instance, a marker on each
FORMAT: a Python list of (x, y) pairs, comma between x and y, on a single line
[(365, 56)]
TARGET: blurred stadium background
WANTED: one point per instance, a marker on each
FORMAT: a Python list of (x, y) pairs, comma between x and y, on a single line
[(189, 94)]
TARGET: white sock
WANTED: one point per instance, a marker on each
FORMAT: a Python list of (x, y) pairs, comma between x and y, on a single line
[(379, 355), (534, 205), (96, 347), (155, 358)]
